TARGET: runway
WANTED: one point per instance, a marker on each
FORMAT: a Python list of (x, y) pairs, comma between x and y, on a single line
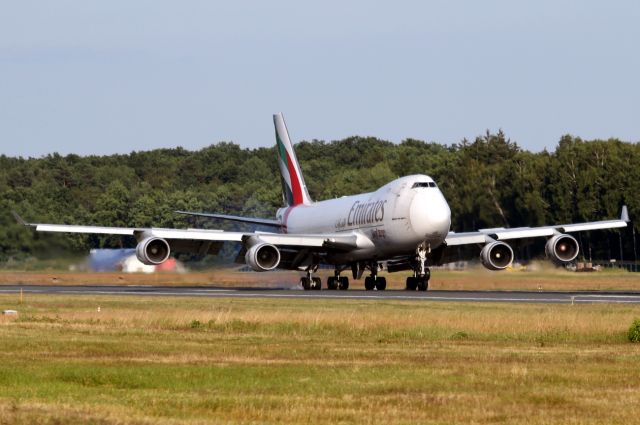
[(353, 294)]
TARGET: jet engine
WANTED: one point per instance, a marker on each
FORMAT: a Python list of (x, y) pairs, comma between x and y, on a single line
[(496, 255), (562, 248), (262, 257), (153, 251)]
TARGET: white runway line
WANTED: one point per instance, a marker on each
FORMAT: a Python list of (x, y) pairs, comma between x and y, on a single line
[(316, 296), (606, 296), (234, 293)]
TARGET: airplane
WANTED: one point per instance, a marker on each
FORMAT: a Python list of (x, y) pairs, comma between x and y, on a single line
[(403, 225)]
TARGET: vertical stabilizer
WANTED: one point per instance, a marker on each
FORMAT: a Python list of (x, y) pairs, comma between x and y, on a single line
[(293, 188)]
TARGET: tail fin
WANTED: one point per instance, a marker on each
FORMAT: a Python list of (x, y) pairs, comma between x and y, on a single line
[(293, 188)]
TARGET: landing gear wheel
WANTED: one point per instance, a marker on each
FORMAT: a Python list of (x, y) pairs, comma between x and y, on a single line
[(381, 283), (305, 282), (369, 283), (333, 283), (423, 283), (343, 283), (316, 283), (412, 283)]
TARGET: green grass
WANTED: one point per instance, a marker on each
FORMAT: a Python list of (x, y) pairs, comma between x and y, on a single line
[(194, 360)]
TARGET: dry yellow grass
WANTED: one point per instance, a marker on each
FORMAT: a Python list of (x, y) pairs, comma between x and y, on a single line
[(223, 277), (476, 278), (196, 361)]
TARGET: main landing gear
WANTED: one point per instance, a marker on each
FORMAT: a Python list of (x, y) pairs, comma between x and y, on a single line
[(421, 273), (338, 282), (372, 281), (309, 282), (315, 283)]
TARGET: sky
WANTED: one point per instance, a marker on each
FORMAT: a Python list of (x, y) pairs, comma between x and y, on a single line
[(102, 77)]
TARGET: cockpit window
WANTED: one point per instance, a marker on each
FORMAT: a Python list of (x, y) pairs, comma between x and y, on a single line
[(423, 184)]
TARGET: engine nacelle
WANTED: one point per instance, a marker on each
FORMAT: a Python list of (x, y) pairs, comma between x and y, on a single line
[(262, 257), (153, 251), (562, 248), (496, 255)]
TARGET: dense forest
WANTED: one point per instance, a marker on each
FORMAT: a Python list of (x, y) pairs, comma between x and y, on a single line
[(489, 182)]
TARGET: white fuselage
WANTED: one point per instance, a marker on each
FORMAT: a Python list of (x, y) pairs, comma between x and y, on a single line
[(391, 221)]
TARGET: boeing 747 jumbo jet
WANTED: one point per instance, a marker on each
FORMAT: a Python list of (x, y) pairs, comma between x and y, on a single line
[(404, 225)]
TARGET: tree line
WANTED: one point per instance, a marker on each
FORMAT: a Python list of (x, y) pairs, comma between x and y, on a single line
[(488, 182)]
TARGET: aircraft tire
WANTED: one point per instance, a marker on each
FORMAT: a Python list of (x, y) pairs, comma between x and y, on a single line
[(369, 283), (423, 283), (412, 283), (332, 283), (343, 284), (381, 284), (304, 282), (316, 283)]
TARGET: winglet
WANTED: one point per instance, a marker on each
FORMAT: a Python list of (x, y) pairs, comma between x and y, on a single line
[(19, 219), (624, 215)]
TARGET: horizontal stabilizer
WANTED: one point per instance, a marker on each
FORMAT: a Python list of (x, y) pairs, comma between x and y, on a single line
[(250, 220)]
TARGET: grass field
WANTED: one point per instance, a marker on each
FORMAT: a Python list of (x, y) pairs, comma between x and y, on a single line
[(200, 361), (478, 278)]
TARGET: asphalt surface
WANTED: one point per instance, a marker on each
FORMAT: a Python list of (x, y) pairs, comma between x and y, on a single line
[(354, 294)]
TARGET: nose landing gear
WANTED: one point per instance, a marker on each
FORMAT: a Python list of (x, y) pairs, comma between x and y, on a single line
[(421, 283), (421, 273)]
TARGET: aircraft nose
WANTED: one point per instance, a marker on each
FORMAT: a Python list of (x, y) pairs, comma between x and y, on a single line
[(430, 215)]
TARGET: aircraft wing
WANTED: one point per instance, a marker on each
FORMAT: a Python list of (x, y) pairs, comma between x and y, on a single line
[(250, 220), (338, 241), (486, 235), (344, 241)]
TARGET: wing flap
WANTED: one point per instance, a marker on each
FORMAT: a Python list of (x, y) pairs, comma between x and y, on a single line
[(196, 234), (339, 241), (534, 232), (466, 238), (485, 235)]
